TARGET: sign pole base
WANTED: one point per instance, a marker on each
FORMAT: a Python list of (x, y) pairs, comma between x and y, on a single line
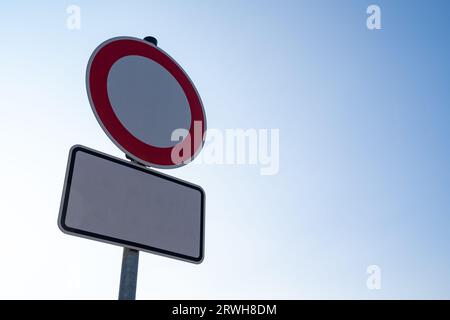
[(128, 275)]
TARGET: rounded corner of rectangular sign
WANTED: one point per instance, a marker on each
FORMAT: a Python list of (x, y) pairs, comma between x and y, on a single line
[(77, 147), (199, 259), (62, 225), (202, 191)]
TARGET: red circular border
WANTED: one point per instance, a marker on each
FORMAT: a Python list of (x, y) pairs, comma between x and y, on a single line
[(101, 63)]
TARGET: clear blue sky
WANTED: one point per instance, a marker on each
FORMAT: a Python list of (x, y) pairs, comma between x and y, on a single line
[(364, 147)]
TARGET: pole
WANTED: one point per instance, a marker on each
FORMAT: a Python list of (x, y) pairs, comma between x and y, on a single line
[(130, 258), (128, 274)]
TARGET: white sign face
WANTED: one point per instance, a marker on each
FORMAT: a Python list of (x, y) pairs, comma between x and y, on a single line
[(148, 100), (141, 97), (118, 202)]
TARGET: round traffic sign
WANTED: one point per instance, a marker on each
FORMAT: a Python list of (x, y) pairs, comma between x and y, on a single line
[(145, 102)]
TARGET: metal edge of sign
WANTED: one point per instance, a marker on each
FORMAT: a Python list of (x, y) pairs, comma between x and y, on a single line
[(120, 242), (123, 149)]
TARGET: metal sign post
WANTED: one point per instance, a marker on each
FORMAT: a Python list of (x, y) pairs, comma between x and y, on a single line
[(128, 274), (130, 266)]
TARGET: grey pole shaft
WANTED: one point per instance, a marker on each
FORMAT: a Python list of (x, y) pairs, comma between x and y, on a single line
[(130, 258), (128, 275)]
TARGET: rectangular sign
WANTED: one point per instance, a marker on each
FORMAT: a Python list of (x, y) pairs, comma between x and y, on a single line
[(122, 203)]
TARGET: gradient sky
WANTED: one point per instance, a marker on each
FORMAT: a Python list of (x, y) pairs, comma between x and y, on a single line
[(364, 147)]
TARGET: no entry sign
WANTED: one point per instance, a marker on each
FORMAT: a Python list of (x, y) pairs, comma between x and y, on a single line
[(143, 100)]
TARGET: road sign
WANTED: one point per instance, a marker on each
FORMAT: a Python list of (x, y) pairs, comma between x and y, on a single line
[(150, 109), (140, 96), (119, 202)]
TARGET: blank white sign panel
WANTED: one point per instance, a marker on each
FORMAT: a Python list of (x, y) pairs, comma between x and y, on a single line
[(115, 201)]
